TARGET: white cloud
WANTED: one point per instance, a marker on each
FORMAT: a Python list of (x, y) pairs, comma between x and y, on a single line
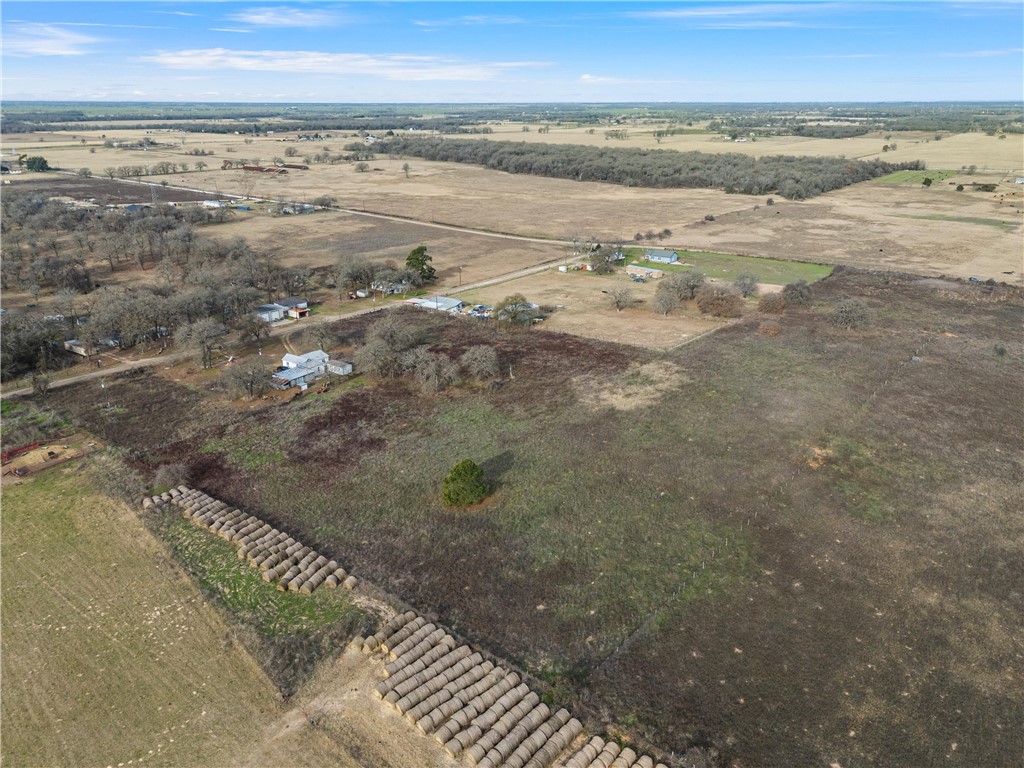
[(983, 54), (45, 40), (471, 21), (231, 29), (176, 13), (603, 80), (286, 17), (765, 9), (387, 66), (112, 26)]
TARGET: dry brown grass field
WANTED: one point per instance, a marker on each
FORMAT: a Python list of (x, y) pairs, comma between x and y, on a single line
[(933, 231), (585, 309), (97, 672)]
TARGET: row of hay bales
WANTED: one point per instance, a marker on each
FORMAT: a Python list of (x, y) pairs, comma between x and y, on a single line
[(472, 706), (287, 563), (598, 753)]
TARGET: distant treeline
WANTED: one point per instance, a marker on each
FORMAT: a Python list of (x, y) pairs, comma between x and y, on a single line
[(794, 178)]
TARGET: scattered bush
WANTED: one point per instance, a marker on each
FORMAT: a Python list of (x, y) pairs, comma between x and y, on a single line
[(480, 363), (465, 485), (622, 298), (772, 304), (769, 328), (719, 302), (849, 313), (386, 343), (686, 284), (1000, 350), (746, 284), (665, 299), (170, 476), (515, 309), (709, 217), (432, 370), (797, 294)]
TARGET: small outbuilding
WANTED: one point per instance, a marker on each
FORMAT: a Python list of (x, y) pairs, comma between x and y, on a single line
[(437, 303), (270, 313), (294, 306), (646, 272)]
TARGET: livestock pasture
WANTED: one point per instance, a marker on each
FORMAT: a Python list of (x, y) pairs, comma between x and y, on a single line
[(856, 226), (761, 543), (97, 672)]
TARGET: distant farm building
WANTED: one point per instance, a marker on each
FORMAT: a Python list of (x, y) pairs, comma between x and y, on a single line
[(646, 272), (437, 303), (660, 256)]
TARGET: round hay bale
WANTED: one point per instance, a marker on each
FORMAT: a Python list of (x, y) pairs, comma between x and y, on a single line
[(331, 582), (561, 739), (644, 761), (587, 753), (463, 739), (624, 759), (412, 640), (147, 504), (427, 704), (341, 573), (294, 584), (350, 582), (356, 643)]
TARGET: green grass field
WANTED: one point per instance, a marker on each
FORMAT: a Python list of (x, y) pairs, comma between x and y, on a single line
[(725, 266), (914, 178)]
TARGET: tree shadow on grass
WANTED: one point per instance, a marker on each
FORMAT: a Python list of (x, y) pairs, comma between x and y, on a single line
[(495, 467)]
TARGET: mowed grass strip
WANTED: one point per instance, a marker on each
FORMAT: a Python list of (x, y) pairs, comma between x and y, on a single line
[(725, 266), (914, 177), (109, 655)]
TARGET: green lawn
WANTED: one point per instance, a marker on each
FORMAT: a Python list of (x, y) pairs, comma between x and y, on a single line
[(725, 266), (914, 178)]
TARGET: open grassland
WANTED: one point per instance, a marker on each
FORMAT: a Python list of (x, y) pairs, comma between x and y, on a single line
[(803, 549), (860, 226), (913, 177), (109, 655), (583, 307), (112, 657), (726, 266)]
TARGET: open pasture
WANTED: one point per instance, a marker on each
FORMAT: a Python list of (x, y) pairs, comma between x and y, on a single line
[(584, 308), (321, 238), (858, 226), (765, 543), (110, 656)]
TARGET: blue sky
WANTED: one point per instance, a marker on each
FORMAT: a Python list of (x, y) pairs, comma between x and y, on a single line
[(694, 50)]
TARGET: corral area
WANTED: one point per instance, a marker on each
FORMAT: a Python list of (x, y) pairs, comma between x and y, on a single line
[(798, 548)]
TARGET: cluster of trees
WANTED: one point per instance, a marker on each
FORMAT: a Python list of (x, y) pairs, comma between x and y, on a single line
[(692, 285), (355, 272), (50, 248), (394, 348), (794, 178)]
